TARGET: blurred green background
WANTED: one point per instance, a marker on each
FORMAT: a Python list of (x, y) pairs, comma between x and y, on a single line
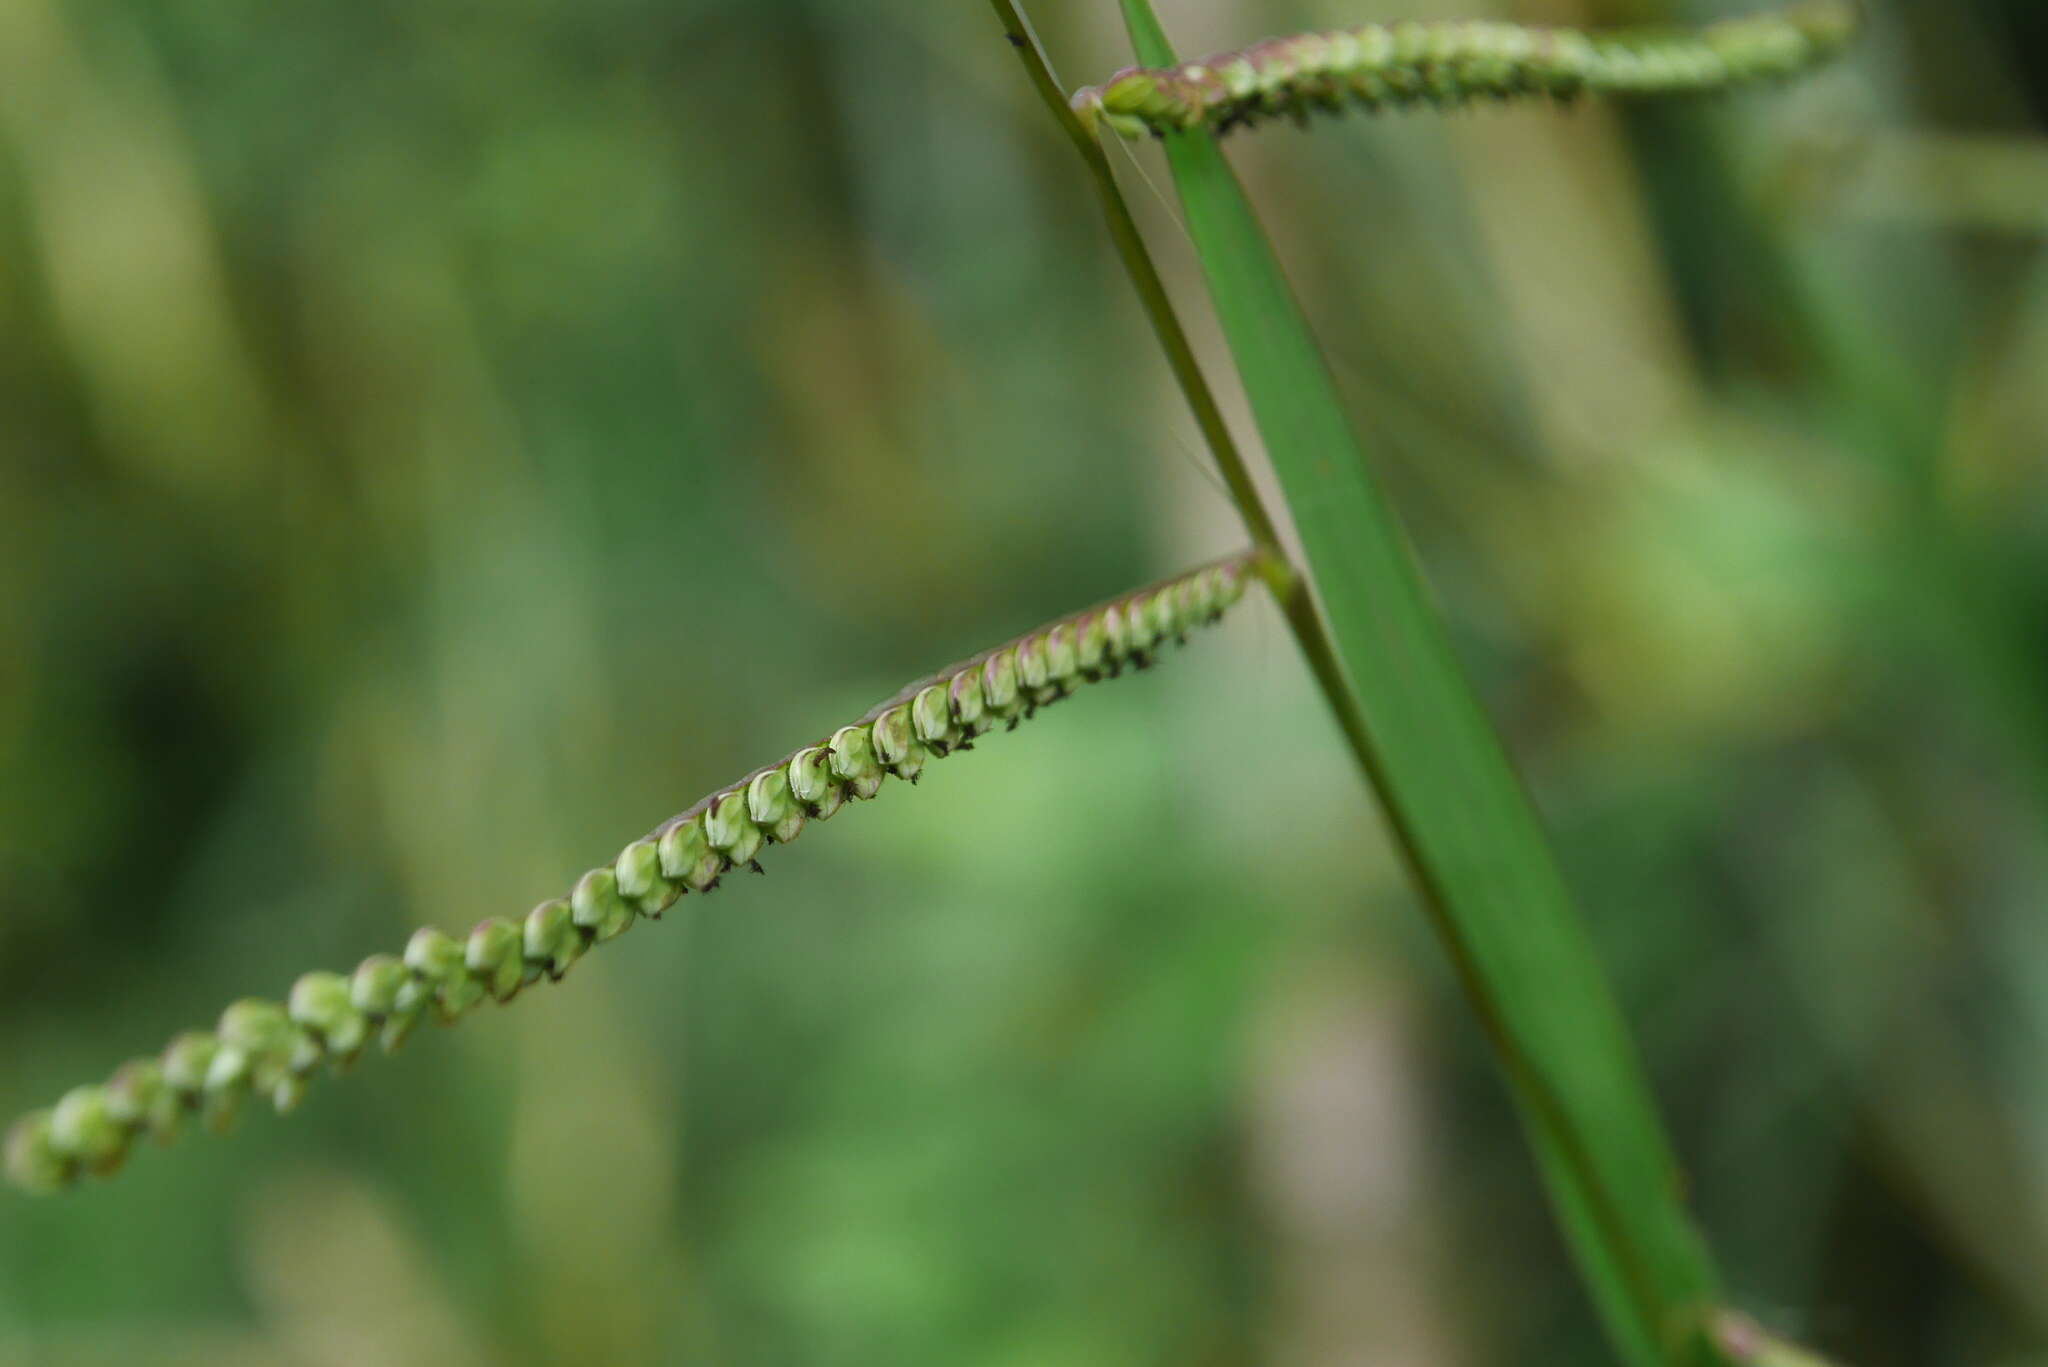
[(439, 440)]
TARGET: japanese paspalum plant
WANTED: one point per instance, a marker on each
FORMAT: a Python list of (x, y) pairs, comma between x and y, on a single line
[(1345, 582)]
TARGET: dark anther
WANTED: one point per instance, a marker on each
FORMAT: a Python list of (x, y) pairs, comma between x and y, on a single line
[(1013, 724), (755, 865), (1016, 39), (913, 780), (965, 745), (939, 749), (711, 886)]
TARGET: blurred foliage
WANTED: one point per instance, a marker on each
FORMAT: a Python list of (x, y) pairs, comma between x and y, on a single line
[(440, 441)]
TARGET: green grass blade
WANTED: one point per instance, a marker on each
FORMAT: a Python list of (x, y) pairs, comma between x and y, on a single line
[(1457, 808)]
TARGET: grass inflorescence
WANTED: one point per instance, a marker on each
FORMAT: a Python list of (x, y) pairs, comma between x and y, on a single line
[(1454, 62), (274, 1049)]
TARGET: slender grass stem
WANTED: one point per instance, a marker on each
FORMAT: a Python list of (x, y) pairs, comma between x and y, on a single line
[(1283, 580), (1137, 261)]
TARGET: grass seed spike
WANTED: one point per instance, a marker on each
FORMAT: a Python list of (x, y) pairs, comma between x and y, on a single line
[(273, 1049), (1455, 62)]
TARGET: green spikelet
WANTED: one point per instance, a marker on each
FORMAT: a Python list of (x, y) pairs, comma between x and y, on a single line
[(272, 1051), (1455, 62)]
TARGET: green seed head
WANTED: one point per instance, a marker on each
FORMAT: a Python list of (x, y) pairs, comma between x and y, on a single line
[(730, 829), (686, 853), (595, 905), (642, 881), (1091, 643), (1164, 617), (1116, 634), (83, 1128), (322, 1004), (896, 744), (1126, 125), (374, 987), (1239, 76), (1034, 669), (999, 684), (931, 717), (1138, 631), (494, 959), (139, 1099), (256, 1027), (437, 976), (188, 1059), (1342, 49), (33, 1162), (1313, 53), (1229, 586), (1062, 655), (551, 938), (773, 807), (965, 695), (1133, 92), (226, 1078), (811, 782), (854, 763)]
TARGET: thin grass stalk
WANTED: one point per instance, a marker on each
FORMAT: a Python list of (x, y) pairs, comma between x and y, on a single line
[(1283, 580)]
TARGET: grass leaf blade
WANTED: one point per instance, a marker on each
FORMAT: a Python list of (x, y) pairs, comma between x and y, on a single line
[(1458, 810)]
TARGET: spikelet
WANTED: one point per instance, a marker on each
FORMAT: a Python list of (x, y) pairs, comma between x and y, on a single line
[(273, 1050), (1455, 62)]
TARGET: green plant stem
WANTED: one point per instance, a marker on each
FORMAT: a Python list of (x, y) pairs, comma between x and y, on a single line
[(1137, 260), (1287, 585)]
